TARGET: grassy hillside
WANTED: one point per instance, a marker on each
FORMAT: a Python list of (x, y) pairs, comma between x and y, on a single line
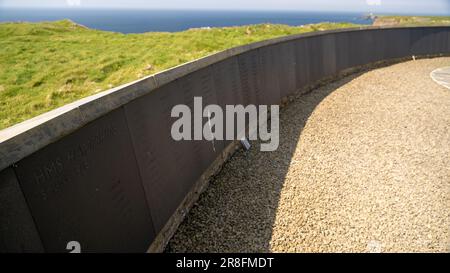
[(411, 20), (46, 65)]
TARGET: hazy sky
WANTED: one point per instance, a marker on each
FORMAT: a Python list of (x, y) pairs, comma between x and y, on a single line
[(377, 6)]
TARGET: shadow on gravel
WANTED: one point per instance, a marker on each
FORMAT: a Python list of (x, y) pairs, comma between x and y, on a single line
[(237, 211)]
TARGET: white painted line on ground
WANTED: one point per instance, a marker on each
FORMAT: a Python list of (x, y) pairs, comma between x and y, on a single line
[(441, 76)]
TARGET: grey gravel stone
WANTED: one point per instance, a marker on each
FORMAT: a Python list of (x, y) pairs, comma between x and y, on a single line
[(363, 166)]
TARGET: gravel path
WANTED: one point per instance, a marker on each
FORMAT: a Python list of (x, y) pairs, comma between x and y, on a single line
[(363, 165)]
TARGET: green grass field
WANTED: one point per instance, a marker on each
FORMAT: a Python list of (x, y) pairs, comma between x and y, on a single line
[(46, 65), (385, 20)]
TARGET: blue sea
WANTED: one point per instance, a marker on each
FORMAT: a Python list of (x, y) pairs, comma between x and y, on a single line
[(138, 21)]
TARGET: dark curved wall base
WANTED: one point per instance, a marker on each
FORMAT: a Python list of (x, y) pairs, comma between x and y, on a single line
[(105, 171)]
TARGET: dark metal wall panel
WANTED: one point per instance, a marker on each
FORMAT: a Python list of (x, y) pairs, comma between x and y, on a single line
[(373, 43), (440, 41), (269, 80), (86, 188), (447, 48), (385, 46), (378, 44), (357, 53), (382, 43), (364, 47), (443, 36), (342, 52), (227, 84), (389, 45), (404, 40), (249, 73), (169, 168), (329, 55), (314, 51), (251, 79), (302, 69), (285, 61), (201, 84), (166, 167), (353, 49), (432, 40), (445, 41), (419, 41), (396, 43), (18, 233)]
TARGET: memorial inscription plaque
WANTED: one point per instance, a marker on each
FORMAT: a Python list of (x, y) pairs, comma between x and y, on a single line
[(439, 41), (357, 49), (419, 41), (169, 168), (447, 46), (430, 41), (373, 42), (162, 164), (250, 77), (398, 43), (270, 86), (302, 69), (315, 49), (227, 85), (86, 188), (227, 82), (18, 233), (329, 55), (440, 44), (342, 52), (201, 84), (285, 59)]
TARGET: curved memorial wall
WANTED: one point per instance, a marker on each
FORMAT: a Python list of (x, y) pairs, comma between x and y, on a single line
[(105, 172)]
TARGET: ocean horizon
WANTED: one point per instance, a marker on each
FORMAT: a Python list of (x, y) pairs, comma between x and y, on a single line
[(139, 21)]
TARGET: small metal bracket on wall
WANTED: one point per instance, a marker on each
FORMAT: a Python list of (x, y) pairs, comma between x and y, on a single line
[(245, 144)]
